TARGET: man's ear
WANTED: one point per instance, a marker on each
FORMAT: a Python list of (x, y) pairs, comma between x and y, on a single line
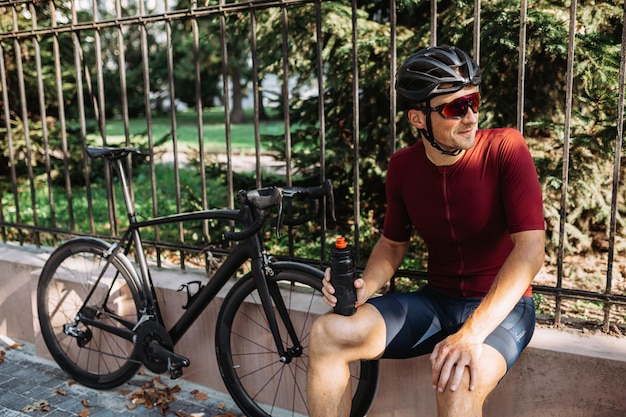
[(417, 118)]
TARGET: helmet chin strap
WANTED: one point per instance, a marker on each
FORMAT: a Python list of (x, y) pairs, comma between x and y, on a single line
[(428, 134)]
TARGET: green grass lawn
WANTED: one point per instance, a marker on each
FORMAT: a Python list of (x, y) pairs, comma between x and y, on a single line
[(213, 130)]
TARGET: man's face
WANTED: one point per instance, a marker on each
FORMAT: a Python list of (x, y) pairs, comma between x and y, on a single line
[(450, 133)]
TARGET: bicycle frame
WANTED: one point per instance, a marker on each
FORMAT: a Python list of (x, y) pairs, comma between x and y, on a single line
[(251, 248)]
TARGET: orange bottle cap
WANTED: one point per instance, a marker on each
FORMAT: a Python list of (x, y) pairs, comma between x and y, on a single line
[(341, 243)]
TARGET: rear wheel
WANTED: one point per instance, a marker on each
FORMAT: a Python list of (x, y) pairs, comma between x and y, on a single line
[(258, 381), (69, 293)]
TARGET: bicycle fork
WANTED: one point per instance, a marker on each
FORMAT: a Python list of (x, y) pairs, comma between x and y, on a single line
[(270, 292)]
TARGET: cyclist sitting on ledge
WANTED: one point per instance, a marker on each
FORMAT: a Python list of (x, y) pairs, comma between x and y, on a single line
[(474, 197)]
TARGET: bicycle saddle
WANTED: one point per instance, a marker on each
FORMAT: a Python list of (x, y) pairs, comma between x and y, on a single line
[(108, 152)]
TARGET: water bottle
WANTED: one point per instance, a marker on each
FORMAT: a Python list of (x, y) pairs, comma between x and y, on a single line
[(342, 276)]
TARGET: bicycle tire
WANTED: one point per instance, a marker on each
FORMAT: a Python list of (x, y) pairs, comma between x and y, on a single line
[(260, 384), (92, 357)]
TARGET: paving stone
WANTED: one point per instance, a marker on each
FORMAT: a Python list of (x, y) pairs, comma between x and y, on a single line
[(26, 379)]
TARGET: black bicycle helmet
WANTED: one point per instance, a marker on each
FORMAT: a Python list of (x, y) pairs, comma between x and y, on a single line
[(431, 72), (434, 71)]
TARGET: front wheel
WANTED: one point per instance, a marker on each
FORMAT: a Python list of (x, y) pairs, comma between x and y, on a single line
[(260, 383), (79, 295)]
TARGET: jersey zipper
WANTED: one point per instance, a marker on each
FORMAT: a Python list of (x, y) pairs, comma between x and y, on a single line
[(451, 226)]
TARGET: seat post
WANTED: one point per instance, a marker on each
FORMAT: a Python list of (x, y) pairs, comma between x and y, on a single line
[(128, 201)]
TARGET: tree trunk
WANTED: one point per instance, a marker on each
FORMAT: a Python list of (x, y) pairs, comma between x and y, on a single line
[(237, 115)]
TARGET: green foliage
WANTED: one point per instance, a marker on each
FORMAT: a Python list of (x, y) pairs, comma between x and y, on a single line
[(592, 137)]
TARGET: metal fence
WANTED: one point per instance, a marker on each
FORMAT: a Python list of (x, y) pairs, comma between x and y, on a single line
[(82, 26)]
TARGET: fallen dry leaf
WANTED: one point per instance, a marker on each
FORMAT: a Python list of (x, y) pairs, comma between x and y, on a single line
[(84, 413), (154, 394), (59, 392), (86, 404), (199, 395), (41, 405)]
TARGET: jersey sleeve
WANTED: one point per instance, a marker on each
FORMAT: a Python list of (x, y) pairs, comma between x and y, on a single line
[(521, 190)]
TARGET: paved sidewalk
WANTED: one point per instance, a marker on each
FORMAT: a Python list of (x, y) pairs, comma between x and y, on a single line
[(32, 387)]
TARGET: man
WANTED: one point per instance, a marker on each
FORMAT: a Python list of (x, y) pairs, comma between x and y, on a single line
[(474, 197)]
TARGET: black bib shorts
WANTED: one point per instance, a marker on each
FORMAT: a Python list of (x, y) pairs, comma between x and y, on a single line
[(417, 321)]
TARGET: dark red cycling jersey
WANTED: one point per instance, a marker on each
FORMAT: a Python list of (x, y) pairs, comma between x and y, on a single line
[(465, 212)]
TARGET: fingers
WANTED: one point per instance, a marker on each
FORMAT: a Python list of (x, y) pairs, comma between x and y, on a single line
[(328, 290), (473, 376), (449, 365), (361, 293)]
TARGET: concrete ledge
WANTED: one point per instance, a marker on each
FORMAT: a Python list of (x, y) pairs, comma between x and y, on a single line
[(561, 374)]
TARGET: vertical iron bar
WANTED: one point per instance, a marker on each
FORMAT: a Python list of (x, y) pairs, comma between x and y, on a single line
[(393, 67), (521, 69), (433, 22), (226, 92), (257, 98), (200, 126), (44, 128), (62, 121), (285, 90), (566, 146), (124, 93), (122, 74), (287, 109), (393, 107), (322, 117), (477, 31), (145, 67), (98, 102), (25, 122), (11, 145), (7, 119), (172, 98), (199, 106), (616, 173), (81, 115), (355, 127)]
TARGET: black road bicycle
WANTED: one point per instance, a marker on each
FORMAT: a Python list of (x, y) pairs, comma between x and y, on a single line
[(100, 316)]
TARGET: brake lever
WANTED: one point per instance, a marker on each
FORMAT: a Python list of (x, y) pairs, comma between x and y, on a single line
[(279, 220), (330, 199)]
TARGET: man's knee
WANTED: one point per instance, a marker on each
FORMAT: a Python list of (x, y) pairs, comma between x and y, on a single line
[(463, 402), (466, 402), (332, 332)]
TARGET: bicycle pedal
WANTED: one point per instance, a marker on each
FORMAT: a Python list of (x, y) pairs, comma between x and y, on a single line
[(175, 365)]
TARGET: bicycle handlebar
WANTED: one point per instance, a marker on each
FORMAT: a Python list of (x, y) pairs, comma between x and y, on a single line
[(264, 198)]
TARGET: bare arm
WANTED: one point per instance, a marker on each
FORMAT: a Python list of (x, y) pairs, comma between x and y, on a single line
[(385, 259), (451, 356)]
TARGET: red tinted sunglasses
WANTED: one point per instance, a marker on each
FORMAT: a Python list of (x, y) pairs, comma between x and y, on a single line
[(457, 109)]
